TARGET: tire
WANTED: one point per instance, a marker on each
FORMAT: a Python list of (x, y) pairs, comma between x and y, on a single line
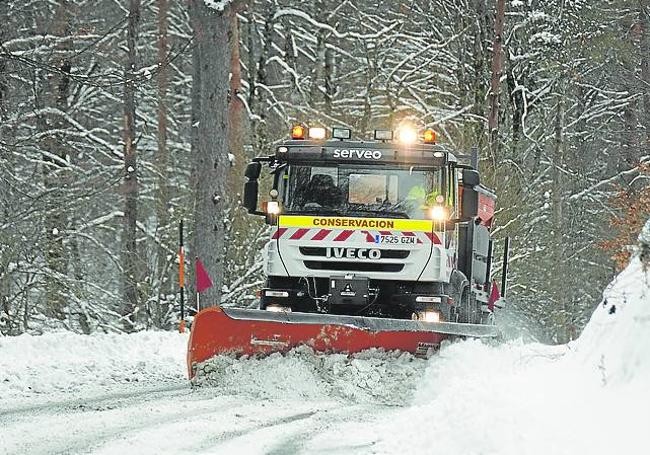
[(468, 309), (457, 285)]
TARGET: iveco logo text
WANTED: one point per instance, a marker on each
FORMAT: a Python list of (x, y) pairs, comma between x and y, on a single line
[(358, 153), (353, 253)]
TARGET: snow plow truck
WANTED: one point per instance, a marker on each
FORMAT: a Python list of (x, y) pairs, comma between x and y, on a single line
[(374, 244)]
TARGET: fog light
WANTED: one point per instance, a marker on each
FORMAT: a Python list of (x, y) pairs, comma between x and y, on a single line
[(341, 133), (427, 316), (383, 135), (278, 309)]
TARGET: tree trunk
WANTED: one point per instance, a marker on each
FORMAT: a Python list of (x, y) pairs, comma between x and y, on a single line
[(557, 217), (251, 70), (330, 74), (130, 186), (235, 108), (211, 72), (162, 159), (497, 64), (57, 89), (478, 82), (644, 20), (260, 129), (317, 70)]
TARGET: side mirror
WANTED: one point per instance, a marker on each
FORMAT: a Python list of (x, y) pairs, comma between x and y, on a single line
[(251, 189), (471, 178), (253, 170)]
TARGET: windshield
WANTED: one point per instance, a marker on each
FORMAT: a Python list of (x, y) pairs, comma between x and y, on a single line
[(380, 191)]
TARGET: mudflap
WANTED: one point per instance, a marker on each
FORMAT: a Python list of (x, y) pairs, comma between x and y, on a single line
[(241, 332)]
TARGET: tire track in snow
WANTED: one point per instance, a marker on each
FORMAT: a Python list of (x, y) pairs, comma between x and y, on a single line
[(108, 399), (74, 427), (143, 422), (223, 419), (291, 435)]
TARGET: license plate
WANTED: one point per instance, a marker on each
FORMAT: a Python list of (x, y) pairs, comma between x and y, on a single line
[(394, 239)]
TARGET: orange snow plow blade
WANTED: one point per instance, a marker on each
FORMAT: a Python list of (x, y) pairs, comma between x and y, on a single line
[(241, 332)]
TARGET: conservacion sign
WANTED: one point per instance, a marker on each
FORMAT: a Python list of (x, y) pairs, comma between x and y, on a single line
[(355, 223)]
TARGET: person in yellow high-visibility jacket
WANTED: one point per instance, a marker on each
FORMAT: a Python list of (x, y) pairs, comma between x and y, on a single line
[(418, 198)]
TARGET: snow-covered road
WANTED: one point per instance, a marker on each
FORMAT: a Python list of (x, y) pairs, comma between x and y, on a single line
[(117, 394), (64, 393), (169, 420), (472, 398)]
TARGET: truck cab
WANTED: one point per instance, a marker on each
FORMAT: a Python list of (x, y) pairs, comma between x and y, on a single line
[(394, 227)]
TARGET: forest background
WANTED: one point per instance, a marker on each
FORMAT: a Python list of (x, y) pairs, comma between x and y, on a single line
[(120, 118)]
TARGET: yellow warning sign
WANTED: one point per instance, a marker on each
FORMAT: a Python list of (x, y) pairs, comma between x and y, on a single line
[(375, 224)]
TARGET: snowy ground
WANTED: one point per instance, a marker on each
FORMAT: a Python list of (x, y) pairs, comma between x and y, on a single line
[(63, 393)]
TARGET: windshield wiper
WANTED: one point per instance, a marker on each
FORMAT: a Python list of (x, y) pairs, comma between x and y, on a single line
[(388, 213), (318, 210)]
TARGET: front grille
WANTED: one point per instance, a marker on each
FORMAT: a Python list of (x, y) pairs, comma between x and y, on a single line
[(353, 266), (385, 254)]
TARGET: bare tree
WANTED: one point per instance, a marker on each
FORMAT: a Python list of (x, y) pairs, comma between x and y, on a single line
[(495, 81), (211, 60), (130, 182), (162, 160), (56, 156)]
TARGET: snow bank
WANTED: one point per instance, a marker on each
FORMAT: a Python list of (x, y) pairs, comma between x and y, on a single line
[(592, 396), (369, 377), (616, 342), (66, 362), (512, 399)]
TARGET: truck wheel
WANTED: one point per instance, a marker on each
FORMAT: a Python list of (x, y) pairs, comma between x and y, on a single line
[(467, 311)]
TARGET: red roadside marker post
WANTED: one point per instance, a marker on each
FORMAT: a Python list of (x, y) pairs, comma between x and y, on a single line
[(181, 276)]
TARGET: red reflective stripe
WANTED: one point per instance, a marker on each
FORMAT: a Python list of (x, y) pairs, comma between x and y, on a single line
[(434, 238), (344, 235), (298, 234), (320, 235), (369, 236), (408, 234), (277, 234), (385, 233)]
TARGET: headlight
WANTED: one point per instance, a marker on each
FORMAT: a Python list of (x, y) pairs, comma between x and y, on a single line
[(438, 213), (407, 135), (317, 133), (273, 208)]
